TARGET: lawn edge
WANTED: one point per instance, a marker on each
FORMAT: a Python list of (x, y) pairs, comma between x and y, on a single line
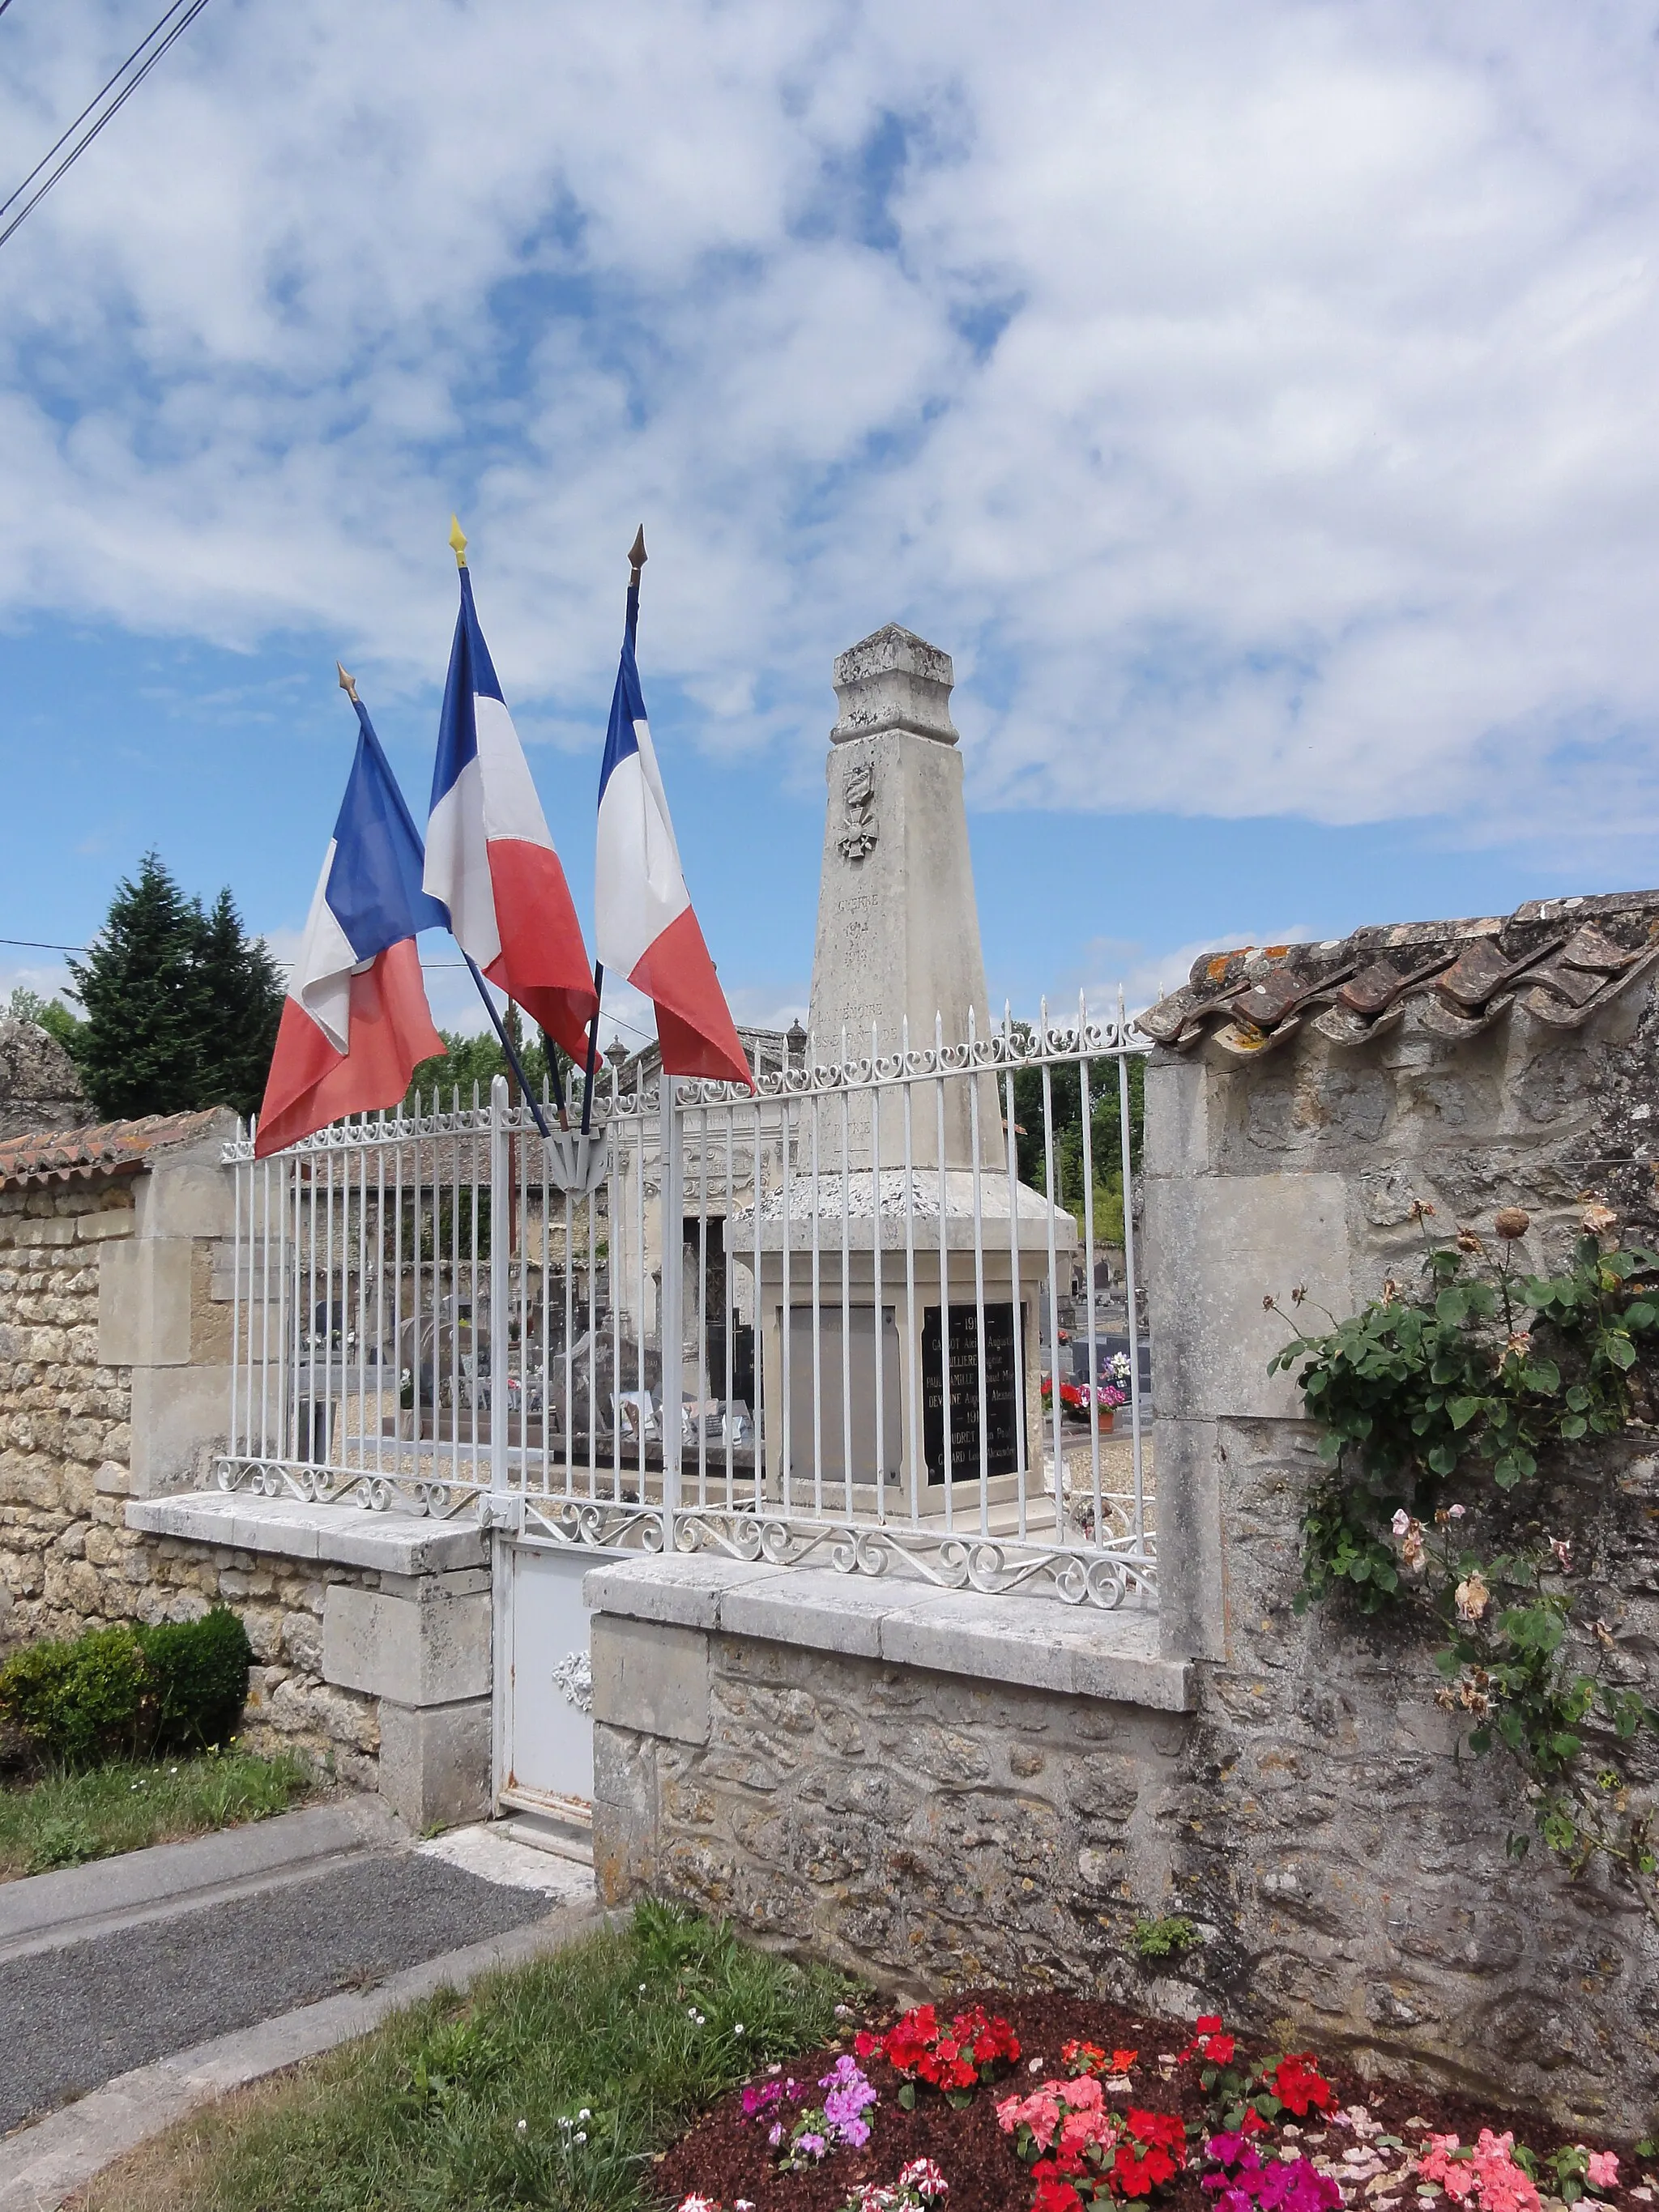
[(42, 2165)]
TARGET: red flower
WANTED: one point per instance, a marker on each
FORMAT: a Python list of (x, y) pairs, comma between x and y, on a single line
[(1054, 2195), (1297, 2083), (1252, 2124), (1220, 2049), (1168, 2128), (866, 2044), (1207, 2023), (1123, 2060), (1138, 2173)]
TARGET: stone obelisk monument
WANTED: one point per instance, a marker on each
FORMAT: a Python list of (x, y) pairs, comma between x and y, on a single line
[(898, 929), (897, 961)]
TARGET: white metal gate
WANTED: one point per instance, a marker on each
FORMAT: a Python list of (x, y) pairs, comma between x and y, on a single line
[(870, 1315)]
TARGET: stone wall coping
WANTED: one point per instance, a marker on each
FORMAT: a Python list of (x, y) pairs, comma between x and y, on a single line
[(395, 1543), (1039, 1642)]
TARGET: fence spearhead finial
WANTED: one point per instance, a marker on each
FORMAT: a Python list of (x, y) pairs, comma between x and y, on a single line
[(637, 556), (348, 683), (458, 541)]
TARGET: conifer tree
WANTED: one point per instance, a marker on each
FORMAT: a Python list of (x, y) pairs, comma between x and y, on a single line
[(139, 1049), (244, 994), (181, 1007)]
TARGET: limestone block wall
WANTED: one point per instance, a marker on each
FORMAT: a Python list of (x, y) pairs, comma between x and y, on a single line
[(80, 1285), (1311, 1810), (65, 1436), (933, 1829)]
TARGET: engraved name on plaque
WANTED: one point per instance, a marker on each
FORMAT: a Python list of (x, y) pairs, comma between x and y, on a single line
[(1001, 1399)]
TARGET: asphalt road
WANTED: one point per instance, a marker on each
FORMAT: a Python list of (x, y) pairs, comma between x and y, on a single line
[(71, 2020)]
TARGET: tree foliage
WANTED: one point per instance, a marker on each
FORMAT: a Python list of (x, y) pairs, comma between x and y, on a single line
[(181, 1006), (1062, 1121)]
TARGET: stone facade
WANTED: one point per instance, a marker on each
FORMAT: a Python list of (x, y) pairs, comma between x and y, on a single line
[(68, 1561), (40, 1086), (64, 1416), (936, 1818)]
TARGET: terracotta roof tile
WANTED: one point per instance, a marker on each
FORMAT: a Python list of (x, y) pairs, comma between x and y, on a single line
[(51, 1156), (1563, 959)]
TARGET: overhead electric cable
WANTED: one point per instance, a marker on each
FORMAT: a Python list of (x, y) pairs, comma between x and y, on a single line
[(192, 10), (5, 4)]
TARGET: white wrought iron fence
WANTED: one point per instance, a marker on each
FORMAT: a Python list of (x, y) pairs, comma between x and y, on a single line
[(873, 1313)]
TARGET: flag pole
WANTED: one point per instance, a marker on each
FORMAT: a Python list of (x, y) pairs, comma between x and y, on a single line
[(637, 557), (348, 685), (513, 1059)]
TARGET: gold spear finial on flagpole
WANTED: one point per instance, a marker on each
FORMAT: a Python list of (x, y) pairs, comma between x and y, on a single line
[(348, 684), (637, 556), (457, 539)]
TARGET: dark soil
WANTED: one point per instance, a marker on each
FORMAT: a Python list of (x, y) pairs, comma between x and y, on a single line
[(725, 2157)]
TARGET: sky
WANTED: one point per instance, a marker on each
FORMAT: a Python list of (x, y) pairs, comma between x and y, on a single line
[(1256, 399)]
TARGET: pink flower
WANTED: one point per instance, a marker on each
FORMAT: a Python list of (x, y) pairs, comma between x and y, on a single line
[(926, 2179), (1603, 2169)]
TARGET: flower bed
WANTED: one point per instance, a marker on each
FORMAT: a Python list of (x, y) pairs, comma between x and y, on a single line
[(995, 2103)]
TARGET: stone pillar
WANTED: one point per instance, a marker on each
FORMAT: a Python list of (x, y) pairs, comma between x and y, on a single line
[(164, 1311)]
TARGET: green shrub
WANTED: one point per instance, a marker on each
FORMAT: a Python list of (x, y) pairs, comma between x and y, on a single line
[(126, 1692), (197, 1684), (77, 1703)]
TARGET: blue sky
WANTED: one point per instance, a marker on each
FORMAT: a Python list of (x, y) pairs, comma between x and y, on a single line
[(1255, 398)]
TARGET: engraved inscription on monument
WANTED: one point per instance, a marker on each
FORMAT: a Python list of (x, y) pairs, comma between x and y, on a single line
[(1001, 1402)]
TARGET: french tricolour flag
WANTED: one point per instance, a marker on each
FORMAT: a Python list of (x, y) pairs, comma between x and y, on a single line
[(489, 857), (355, 1023), (643, 925)]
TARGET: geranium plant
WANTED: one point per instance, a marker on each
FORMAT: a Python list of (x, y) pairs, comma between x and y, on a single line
[(921, 2187), (817, 2130), (953, 2059), (1079, 2150)]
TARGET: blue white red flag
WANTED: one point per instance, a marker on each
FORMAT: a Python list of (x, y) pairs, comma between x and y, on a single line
[(643, 925), (355, 1023), (489, 856)]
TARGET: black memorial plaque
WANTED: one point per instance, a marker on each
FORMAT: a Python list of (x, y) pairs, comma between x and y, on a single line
[(1002, 1400)]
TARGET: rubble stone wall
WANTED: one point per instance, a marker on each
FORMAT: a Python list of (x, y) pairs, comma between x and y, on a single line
[(1348, 1863), (1348, 1873), (67, 1560)]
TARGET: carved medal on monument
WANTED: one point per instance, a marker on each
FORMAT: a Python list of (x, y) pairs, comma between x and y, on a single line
[(858, 807), (1001, 1403)]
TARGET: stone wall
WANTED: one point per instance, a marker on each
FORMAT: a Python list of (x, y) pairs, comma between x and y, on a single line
[(67, 1560), (942, 1820), (64, 1416)]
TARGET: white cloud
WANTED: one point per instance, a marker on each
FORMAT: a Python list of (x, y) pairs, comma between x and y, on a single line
[(1313, 467)]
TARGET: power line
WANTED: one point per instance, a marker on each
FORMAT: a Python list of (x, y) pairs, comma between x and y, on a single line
[(192, 9), (5, 4)]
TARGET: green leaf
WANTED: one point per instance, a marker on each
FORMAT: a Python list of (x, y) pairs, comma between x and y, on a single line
[(1541, 1374), (1619, 1350), (1442, 1459), (1462, 1411), (1642, 1315), (1578, 1398), (1452, 1306), (1574, 1426)]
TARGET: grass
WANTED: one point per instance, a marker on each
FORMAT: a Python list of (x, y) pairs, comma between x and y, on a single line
[(550, 2085), (66, 1818)]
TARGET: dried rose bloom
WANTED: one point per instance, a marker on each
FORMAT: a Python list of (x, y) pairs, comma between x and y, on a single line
[(1511, 1222), (1468, 1241), (1520, 1343), (1472, 1597)]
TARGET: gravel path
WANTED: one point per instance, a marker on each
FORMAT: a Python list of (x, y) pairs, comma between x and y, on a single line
[(76, 2017)]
